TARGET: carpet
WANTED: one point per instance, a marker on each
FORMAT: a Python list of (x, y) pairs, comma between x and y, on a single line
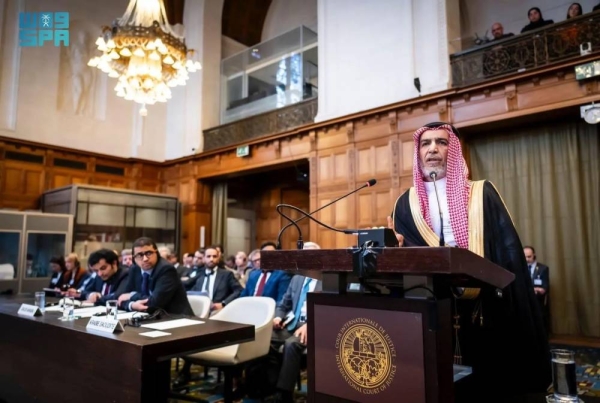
[(210, 389), (587, 362)]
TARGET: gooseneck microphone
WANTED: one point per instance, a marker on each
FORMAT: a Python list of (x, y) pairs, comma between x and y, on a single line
[(433, 176), (300, 243)]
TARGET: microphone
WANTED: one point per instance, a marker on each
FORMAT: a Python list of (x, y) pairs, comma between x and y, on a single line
[(433, 176), (300, 243)]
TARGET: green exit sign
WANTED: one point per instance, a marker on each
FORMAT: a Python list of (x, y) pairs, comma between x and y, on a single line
[(243, 151)]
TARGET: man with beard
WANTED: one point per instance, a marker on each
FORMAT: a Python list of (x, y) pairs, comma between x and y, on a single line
[(153, 283), (501, 337)]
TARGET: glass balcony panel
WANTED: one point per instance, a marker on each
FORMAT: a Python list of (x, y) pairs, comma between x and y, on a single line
[(270, 75)]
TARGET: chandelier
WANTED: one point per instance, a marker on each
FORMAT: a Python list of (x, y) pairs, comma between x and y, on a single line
[(143, 52)]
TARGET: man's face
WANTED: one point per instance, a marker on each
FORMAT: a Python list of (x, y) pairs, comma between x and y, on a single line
[(534, 16), (127, 259), (497, 30), (433, 153), (256, 260), (211, 258), (105, 270), (198, 258), (145, 256), (188, 260), (529, 256), (240, 259)]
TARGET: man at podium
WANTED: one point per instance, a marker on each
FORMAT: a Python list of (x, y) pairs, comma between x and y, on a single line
[(501, 334)]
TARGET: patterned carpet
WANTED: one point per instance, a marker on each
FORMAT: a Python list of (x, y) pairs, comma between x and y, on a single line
[(208, 389), (588, 369)]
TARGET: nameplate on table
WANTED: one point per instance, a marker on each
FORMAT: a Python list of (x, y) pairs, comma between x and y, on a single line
[(104, 324), (29, 310)]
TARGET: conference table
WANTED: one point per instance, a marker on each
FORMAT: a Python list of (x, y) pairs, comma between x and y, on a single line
[(46, 360)]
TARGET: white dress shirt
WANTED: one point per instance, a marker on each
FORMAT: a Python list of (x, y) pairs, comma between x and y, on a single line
[(211, 282), (434, 210), (268, 274), (311, 288)]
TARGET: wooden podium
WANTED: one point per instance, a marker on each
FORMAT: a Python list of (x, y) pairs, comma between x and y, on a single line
[(368, 347)]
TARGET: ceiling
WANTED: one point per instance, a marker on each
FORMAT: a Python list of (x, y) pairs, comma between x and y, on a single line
[(242, 20)]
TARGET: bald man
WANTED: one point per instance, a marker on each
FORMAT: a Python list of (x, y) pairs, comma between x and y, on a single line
[(498, 32)]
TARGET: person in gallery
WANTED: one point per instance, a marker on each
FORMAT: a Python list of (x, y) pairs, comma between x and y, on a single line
[(501, 334)]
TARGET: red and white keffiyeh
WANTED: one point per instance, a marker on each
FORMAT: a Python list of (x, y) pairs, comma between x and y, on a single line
[(457, 185)]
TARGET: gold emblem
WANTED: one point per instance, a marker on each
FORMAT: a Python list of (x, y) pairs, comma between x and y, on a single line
[(365, 356)]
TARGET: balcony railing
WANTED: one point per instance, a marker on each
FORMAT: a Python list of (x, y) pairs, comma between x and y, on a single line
[(542, 47), (268, 123)]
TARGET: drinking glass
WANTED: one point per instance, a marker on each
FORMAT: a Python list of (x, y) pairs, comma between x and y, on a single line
[(68, 308), (564, 381), (112, 309), (40, 300)]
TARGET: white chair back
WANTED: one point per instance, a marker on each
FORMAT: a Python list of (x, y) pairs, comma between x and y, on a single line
[(257, 311), (7, 271), (200, 305)]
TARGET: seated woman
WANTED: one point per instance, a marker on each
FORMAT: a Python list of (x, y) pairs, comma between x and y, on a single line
[(536, 20), (574, 10), (75, 274), (57, 265)]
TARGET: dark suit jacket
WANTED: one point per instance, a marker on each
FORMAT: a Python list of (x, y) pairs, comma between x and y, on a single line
[(290, 299), (118, 284), (192, 273), (275, 287), (166, 290), (226, 287), (542, 272), (60, 281)]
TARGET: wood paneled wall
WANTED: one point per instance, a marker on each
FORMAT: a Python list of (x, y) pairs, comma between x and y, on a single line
[(28, 170), (342, 153)]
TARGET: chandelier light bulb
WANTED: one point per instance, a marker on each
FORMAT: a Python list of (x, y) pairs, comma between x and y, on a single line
[(143, 52), (139, 52)]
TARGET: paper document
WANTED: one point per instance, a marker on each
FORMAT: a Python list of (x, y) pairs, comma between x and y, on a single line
[(155, 333), (172, 324)]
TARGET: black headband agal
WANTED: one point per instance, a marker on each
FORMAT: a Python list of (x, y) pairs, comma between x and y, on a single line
[(433, 125)]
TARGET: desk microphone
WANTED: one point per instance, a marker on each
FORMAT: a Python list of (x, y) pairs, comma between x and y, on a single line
[(300, 242), (433, 176)]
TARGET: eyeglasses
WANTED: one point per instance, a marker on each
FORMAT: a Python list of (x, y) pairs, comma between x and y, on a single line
[(140, 256), (255, 260)]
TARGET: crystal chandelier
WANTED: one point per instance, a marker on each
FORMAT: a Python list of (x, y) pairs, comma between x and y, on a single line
[(143, 52)]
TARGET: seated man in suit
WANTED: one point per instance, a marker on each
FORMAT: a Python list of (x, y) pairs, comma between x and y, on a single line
[(266, 283), (218, 284), (290, 329), (153, 283), (110, 280), (190, 276)]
